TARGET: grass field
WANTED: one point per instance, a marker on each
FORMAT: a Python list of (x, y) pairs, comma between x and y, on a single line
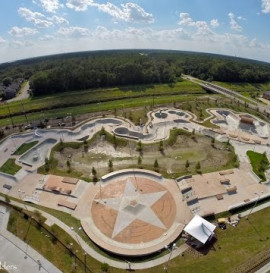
[(259, 163), (235, 246), (10, 167), (247, 89), (85, 97), (42, 241), (25, 147)]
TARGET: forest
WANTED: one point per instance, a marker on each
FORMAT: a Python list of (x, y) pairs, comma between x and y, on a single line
[(86, 70)]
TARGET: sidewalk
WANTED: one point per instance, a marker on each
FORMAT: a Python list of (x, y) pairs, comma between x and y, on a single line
[(118, 264), (16, 255)]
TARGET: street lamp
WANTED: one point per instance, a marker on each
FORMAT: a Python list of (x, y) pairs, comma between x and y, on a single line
[(166, 267), (259, 195)]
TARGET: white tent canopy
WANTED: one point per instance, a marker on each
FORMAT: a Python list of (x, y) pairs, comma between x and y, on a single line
[(200, 229)]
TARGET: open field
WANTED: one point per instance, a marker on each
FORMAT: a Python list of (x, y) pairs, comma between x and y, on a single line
[(91, 96), (247, 89), (55, 252), (10, 167), (227, 253), (235, 246), (172, 159)]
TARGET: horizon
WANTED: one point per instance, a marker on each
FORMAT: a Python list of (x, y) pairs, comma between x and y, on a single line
[(133, 49), (36, 28)]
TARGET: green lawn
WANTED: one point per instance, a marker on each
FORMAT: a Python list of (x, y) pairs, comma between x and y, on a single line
[(259, 163), (84, 97), (235, 246), (25, 147), (10, 167), (56, 253)]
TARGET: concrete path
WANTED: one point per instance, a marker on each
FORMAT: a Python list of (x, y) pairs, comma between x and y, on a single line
[(118, 264), (16, 255)]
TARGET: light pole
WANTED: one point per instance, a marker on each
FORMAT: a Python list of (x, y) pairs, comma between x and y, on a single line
[(254, 203), (166, 267)]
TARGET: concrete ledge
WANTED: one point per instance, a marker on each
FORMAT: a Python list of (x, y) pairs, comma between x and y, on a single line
[(109, 176)]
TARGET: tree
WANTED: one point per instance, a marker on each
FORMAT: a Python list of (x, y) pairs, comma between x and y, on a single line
[(139, 147), (213, 142), (161, 146), (139, 161), (68, 166), (110, 165), (187, 164), (156, 165), (7, 81), (94, 173), (198, 166), (47, 164)]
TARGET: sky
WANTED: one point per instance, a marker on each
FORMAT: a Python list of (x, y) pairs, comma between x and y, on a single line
[(30, 28)]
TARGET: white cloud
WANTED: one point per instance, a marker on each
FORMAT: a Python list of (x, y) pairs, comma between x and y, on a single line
[(74, 32), (59, 20), (21, 32), (185, 19), (214, 23), (2, 41), (37, 18), (234, 25), (266, 6), (79, 5), (50, 5), (21, 43), (129, 12), (47, 37)]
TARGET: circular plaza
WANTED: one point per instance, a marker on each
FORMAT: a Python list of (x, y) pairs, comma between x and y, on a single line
[(135, 212)]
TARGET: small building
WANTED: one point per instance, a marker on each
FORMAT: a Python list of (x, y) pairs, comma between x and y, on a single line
[(200, 229), (266, 95)]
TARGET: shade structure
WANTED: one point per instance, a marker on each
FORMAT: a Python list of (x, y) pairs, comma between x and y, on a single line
[(200, 229)]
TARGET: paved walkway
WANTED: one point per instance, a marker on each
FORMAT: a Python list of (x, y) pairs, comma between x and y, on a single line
[(47, 267), (16, 255), (118, 264)]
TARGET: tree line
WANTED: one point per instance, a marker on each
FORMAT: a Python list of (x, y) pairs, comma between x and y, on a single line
[(79, 71)]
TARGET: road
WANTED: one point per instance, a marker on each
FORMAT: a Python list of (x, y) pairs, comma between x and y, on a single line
[(231, 94), (23, 94)]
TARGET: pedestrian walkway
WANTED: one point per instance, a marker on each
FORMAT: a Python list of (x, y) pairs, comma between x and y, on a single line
[(18, 256), (118, 264)]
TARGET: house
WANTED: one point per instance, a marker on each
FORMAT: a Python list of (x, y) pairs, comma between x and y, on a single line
[(266, 95)]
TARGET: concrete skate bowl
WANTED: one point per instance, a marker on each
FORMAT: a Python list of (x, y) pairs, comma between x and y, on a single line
[(125, 132), (133, 215), (36, 156), (178, 113), (181, 121), (223, 112), (161, 115)]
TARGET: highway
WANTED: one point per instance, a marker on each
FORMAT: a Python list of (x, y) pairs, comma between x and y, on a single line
[(236, 96)]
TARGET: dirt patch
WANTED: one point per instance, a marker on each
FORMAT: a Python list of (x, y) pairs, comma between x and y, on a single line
[(171, 161)]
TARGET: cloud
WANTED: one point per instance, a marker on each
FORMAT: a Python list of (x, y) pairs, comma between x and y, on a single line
[(21, 32), (266, 6), (214, 23), (129, 12), (234, 25), (50, 5), (2, 41), (74, 32), (37, 18), (79, 5), (185, 19), (59, 20)]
